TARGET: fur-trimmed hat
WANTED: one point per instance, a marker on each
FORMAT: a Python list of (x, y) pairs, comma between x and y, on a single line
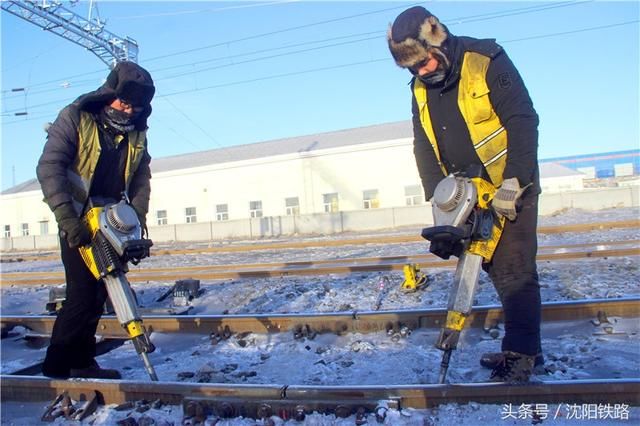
[(413, 32), (131, 83)]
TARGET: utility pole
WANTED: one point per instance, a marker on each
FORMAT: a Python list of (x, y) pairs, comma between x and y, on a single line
[(88, 33)]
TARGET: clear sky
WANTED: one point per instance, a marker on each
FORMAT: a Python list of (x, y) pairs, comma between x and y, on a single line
[(230, 73)]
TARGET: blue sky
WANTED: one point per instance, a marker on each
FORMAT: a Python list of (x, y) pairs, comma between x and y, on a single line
[(230, 73)]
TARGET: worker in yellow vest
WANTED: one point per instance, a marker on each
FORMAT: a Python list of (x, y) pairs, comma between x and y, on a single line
[(471, 109), (97, 147)]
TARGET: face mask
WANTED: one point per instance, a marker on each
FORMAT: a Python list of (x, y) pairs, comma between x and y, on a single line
[(440, 74), (433, 78), (118, 120)]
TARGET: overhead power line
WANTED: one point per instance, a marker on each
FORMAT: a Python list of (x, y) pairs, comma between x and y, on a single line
[(198, 11), (449, 22), (269, 33), (564, 33), (216, 59)]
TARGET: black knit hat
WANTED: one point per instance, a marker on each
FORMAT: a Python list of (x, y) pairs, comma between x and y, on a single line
[(131, 83), (413, 32)]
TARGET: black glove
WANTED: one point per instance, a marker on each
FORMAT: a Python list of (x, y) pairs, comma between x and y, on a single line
[(445, 249), (71, 227)]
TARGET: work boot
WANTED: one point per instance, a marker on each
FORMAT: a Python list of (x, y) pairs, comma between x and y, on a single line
[(94, 372), (491, 360), (514, 367)]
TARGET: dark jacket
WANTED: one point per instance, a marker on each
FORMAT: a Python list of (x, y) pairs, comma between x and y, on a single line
[(511, 102), (61, 149)]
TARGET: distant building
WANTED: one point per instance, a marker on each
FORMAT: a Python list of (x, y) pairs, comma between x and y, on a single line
[(558, 178), (354, 169), (605, 165)]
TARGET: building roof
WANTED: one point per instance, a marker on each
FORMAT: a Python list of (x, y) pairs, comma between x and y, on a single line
[(631, 154), (552, 170), (30, 185), (298, 144)]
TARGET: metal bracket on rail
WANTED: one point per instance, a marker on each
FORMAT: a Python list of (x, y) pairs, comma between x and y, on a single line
[(413, 279)]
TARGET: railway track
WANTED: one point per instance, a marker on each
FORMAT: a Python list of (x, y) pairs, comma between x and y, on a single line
[(388, 239), (322, 267), (296, 401), (336, 322), (293, 401)]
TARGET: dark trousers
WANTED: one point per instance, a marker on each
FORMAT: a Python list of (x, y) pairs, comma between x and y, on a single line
[(515, 277), (73, 343)]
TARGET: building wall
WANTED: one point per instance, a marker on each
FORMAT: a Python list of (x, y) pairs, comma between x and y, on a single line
[(562, 183), (25, 207), (348, 171), (386, 167), (415, 217)]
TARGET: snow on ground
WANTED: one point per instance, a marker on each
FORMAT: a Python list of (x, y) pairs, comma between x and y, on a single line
[(573, 351)]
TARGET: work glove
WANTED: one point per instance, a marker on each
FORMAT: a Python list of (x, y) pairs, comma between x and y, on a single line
[(71, 227), (506, 198)]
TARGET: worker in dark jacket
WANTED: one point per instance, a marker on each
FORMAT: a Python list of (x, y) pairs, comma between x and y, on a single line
[(471, 108), (97, 147)]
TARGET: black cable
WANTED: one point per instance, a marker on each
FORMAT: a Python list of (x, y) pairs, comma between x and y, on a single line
[(358, 63), (455, 21), (269, 33)]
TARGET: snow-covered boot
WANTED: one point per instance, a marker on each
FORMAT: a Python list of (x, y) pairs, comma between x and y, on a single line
[(94, 371), (491, 360), (514, 367)]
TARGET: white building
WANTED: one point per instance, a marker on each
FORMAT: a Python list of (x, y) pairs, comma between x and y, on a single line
[(362, 168), (558, 178), (285, 184)]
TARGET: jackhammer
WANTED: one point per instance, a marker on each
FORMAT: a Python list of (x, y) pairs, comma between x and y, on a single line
[(116, 239), (466, 227)]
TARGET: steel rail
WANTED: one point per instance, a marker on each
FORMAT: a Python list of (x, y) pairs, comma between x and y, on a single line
[(383, 239), (395, 239), (414, 258), (298, 269), (335, 322), (258, 401)]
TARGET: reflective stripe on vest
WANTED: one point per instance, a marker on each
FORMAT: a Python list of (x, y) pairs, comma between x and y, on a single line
[(487, 134), (82, 170)]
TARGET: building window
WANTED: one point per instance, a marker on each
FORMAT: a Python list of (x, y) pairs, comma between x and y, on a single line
[(44, 227), (413, 195), (370, 199), (25, 229), (292, 205), (255, 208), (330, 202), (161, 217), (7, 231), (190, 215), (222, 212)]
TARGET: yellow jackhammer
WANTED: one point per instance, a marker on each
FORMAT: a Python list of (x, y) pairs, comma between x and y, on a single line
[(116, 239), (466, 227)]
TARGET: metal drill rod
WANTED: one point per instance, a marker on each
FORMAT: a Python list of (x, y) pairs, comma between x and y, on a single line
[(149, 367), (465, 284), (444, 366)]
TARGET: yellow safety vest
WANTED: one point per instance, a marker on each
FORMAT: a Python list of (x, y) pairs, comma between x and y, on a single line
[(488, 135), (83, 168)]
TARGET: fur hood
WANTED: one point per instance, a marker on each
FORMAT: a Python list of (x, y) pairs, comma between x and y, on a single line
[(412, 34), (127, 81)]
